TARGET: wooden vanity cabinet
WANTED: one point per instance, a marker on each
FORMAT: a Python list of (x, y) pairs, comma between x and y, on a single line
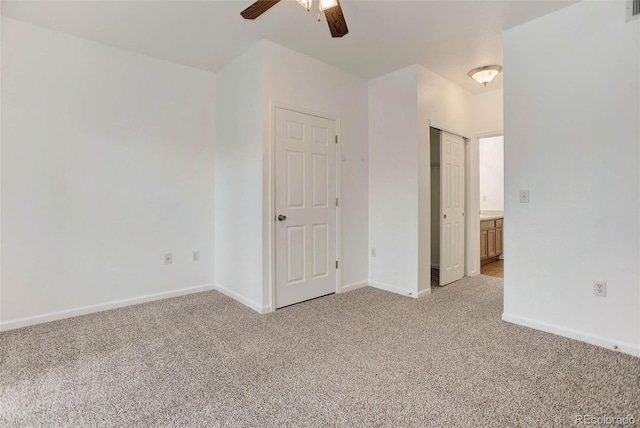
[(499, 237), (491, 240), (483, 244)]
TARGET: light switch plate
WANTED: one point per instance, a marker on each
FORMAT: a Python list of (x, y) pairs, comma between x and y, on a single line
[(524, 196)]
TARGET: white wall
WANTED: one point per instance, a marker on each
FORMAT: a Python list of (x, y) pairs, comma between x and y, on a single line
[(1, 108), (106, 165), (266, 75), (492, 174), (402, 106), (446, 105), (572, 137), (489, 117), (393, 181), (300, 81), (238, 189)]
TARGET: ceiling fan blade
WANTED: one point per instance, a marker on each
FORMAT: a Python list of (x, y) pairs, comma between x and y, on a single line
[(335, 19), (258, 8)]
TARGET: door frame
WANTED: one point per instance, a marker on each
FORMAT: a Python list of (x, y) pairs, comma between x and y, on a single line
[(471, 202), (270, 216)]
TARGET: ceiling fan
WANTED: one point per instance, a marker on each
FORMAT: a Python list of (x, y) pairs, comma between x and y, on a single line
[(331, 8)]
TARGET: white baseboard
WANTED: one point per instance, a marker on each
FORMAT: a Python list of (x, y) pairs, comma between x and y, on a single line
[(424, 292), (354, 286), (394, 289), (582, 336), (70, 313), (242, 299)]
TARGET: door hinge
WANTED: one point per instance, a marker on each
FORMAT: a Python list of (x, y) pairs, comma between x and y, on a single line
[(336, 139), (337, 202), (336, 264)]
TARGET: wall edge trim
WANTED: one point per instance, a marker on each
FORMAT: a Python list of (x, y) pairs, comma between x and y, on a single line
[(354, 286), (100, 307), (394, 289), (242, 299), (582, 336)]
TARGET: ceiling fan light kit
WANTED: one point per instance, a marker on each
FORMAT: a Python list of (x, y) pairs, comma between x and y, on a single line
[(306, 4), (484, 75), (327, 4), (331, 8), (322, 4)]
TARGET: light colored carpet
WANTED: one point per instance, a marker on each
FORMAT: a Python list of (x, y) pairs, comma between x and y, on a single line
[(363, 358)]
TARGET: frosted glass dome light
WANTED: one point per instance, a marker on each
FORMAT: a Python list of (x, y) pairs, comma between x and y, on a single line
[(484, 75)]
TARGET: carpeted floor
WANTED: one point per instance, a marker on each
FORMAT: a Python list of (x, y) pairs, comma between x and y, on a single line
[(363, 358)]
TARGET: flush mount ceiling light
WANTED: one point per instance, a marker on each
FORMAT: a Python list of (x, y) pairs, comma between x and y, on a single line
[(486, 74)]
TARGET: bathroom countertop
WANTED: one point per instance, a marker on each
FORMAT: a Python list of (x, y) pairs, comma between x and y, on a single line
[(491, 215)]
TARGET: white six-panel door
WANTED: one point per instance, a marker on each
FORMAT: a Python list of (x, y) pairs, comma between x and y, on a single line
[(305, 195), (452, 199)]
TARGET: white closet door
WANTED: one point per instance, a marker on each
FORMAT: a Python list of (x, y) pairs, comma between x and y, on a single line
[(451, 208)]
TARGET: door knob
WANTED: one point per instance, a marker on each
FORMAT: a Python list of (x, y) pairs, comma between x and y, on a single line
[(282, 217)]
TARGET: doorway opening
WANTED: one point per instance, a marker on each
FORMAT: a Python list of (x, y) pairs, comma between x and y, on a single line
[(492, 220)]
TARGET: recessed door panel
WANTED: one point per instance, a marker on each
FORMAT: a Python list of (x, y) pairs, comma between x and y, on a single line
[(483, 245), (447, 186), (499, 239), (305, 186), (295, 179), (446, 255), (319, 135), (295, 254), (320, 181), (455, 186), (491, 240), (295, 131), (455, 261), (320, 250)]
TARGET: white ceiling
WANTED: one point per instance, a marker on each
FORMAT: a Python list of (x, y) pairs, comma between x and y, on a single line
[(447, 37)]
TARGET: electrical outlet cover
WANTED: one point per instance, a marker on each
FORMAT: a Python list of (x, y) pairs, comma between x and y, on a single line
[(600, 288)]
